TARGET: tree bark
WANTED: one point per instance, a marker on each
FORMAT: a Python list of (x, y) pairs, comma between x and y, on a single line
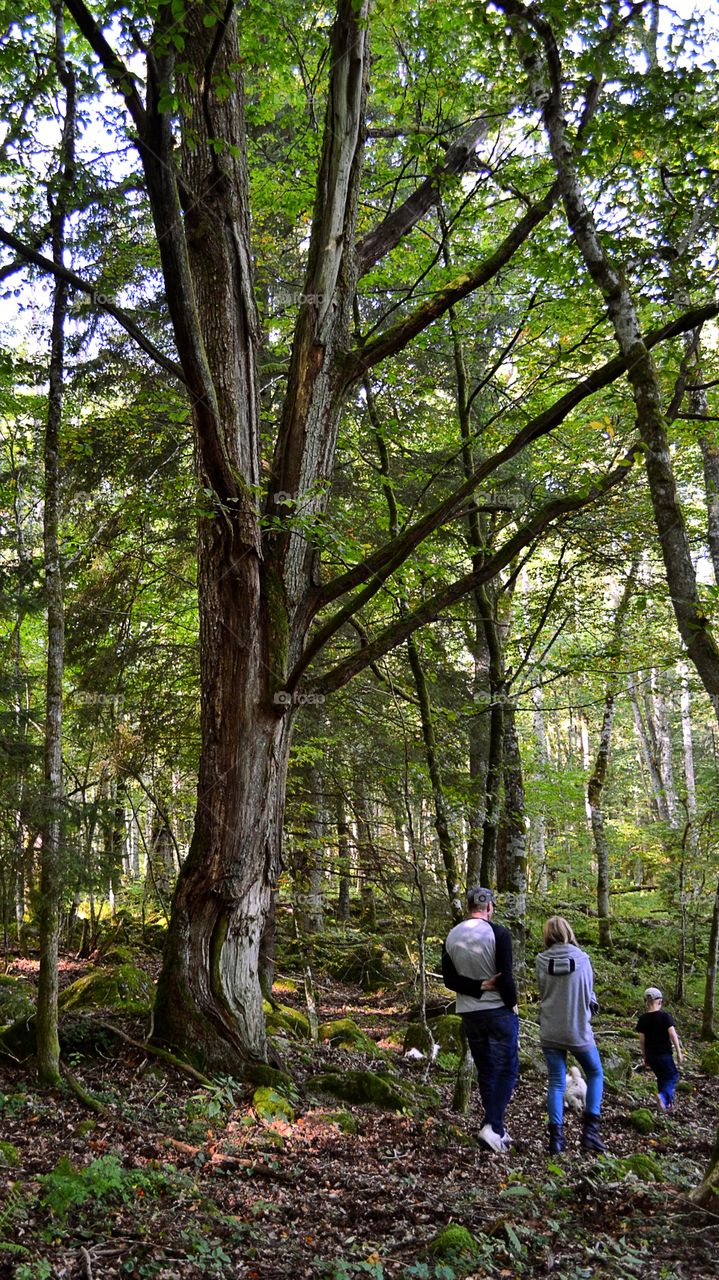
[(657, 798), (707, 1032), (48, 1044), (343, 862), (513, 881), (253, 594), (595, 783)]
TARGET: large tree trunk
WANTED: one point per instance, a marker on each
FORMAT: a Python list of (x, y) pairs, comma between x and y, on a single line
[(253, 590), (209, 999)]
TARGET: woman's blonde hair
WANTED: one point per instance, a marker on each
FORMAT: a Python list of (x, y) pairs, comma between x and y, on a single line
[(557, 929)]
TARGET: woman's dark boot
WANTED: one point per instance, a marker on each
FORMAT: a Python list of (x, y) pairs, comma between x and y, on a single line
[(591, 1140), (556, 1139)]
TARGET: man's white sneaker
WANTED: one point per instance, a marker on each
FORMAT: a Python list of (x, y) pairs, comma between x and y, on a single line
[(507, 1140), (491, 1139)]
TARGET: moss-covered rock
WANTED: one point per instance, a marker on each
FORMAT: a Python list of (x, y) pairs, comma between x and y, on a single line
[(260, 1073), (124, 988), (447, 1031), (155, 936), (343, 1119), (281, 1019), (360, 1087), (117, 955), (350, 955), (642, 1120), (418, 1037), (709, 1061), (423, 1095), (617, 1064), (9, 1155), (16, 1000), (454, 1243), (270, 1105), (343, 1033)]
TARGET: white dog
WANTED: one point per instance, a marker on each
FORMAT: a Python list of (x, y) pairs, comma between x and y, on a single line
[(575, 1092)]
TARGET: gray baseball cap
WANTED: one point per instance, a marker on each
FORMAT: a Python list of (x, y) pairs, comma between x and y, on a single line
[(653, 993), (479, 897)]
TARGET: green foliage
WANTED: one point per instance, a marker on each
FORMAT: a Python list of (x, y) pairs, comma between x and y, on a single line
[(16, 1000), (9, 1154), (103, 1183), (642, 1120), (709, 1060), (270, 1105)]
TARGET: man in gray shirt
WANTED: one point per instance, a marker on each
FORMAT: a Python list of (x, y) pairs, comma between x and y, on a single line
[(477, 965)]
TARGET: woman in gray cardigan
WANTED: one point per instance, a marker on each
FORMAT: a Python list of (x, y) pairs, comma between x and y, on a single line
[(566, 988)]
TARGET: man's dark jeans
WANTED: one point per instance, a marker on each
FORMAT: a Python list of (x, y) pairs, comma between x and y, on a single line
[(493, 1038)]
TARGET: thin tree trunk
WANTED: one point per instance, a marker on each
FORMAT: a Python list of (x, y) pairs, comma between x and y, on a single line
[(657, 704), (538, 844), (514, 831), (481, 859), (707, 1032), (688, 755), (48, 1044), (691, 617), (429, 739), (597, 780), (657, 798), (493, 807), (343, 862)]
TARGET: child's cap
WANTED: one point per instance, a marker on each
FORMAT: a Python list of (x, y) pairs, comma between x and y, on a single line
[(653, 993)]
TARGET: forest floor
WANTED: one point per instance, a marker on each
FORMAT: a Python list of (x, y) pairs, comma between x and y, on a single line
[(177, 1181)]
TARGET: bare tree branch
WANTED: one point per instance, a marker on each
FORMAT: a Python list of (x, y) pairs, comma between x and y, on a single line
[(398, 631), (394, 339), (386, 559), (30, 255), (387, 235)]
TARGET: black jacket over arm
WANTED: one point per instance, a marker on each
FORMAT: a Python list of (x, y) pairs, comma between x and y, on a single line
[(465, 986)]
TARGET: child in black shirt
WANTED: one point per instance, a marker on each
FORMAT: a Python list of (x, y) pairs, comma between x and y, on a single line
[(657, 1038)]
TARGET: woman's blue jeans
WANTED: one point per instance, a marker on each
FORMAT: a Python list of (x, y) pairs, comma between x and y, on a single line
[(591, 1064)]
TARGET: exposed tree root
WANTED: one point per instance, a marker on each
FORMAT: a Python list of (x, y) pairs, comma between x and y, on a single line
[(163, 1054)]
